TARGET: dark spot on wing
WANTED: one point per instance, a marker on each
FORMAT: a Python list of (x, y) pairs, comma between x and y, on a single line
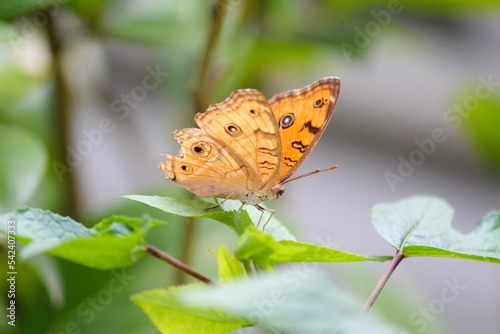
[(298, 145), (311, 128)]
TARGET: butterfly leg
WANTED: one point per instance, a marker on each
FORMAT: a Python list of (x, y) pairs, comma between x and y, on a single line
[(262, 210), (219, 203)]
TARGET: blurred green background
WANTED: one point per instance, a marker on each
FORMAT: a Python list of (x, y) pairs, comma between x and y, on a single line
[(91, 90)]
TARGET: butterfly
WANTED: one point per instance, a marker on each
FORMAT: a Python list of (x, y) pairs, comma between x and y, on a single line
[(247, 147)]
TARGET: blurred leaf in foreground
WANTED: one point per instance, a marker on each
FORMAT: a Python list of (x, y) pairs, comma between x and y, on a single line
[(291, 303), (170, 315)]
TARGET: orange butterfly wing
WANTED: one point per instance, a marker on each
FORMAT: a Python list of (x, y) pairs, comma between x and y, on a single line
[(302, 116)]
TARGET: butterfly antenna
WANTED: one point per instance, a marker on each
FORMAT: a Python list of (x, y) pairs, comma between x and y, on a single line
[(316, 171)]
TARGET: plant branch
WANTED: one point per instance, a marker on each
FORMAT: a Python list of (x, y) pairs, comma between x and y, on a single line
[(189, 233), (200, 102), (200, 94), (61, 121), (383, 280), (178, 264)]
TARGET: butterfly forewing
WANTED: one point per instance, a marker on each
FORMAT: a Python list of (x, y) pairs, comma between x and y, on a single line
[(302, 116)]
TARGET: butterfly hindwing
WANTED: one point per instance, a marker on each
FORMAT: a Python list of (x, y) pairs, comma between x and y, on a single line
[(204, 167)]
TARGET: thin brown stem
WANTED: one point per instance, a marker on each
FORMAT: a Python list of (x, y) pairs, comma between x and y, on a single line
[(62, 117), (189, 233), (200, 94), (383, 280), (200, 101), (178, 264)]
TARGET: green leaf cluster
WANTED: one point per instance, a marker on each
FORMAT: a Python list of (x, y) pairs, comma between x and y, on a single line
[(300, 299), (291, 297), (114, 242)]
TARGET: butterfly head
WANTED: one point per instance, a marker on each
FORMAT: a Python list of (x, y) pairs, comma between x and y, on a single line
[(277, 190)]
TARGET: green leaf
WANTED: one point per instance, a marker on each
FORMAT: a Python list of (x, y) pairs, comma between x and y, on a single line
[(229, 266), (165, 23), (265, 221), (421, 226), (483, 124), (172, 316), (23, 160), (11, 8), (230, 212), (195, 208), (113, 243), (452, 7), (291, 302), (41, 229), (89, 9), (263, 249), (177, 206)]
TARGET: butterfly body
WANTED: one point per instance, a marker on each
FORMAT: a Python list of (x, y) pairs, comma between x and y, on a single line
[(246, 146)]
